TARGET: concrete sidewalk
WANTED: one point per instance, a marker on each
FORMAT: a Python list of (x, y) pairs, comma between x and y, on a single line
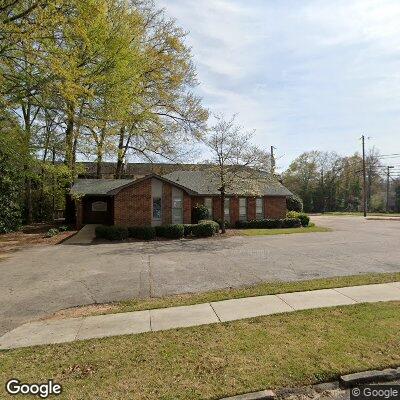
[(84, 236), (68, 330)]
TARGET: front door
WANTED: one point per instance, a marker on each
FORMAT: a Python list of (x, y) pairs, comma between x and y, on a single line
[(97, 210)]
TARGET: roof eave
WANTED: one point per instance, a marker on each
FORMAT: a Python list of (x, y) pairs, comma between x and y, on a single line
[(113, 192)]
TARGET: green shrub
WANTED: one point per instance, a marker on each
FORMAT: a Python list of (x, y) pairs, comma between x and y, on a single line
[(294, 203), (199, 212), (269, 223), (52, 232), (292, 214), (241, 224), (100, 231), (142, 232), (272, 223), (213, 223), (260, 224), (219, 222), (303, 217), (111, 232), (64, 228), (160, 230), (170, 231), (204, 229), (291, 223), (187, 229)]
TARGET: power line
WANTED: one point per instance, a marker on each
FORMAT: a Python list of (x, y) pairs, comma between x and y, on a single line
[(389, 155)]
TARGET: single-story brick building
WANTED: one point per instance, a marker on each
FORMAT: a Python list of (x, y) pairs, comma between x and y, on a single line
[(169, 199)]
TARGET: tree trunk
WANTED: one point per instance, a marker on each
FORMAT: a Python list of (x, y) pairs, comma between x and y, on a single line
[(53, 186), (42, 172), (74, 147), (69, 143), (121, 154), (223, 230), (26, 110), (99, 160), (75, 133), (100, 151), (28, 199)]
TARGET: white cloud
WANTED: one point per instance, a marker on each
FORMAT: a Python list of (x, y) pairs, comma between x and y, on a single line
[(305, 74)]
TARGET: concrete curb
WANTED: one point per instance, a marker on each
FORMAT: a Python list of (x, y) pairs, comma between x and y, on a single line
[(348, 381), (345, 382), (263, 395), (382, 218)]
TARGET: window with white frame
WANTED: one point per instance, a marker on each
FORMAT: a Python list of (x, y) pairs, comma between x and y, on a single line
[(259, 208), (208, 205), (177, 206), (156, 201), (157, 208), (242, 209), (227, 206)]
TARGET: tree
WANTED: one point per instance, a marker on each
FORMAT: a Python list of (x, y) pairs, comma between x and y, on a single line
[(294, 203), (327, 181), (93, 79), (236, 163), (165, 115), (397, 197), (302, 177), (11, 173)]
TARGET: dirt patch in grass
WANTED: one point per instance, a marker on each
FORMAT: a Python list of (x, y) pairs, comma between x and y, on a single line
[(83, 311), (219, 360), (29, 235)]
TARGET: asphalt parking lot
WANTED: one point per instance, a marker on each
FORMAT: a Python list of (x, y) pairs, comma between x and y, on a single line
[(43, 279)]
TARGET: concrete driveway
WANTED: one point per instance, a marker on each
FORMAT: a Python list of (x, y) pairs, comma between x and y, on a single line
[(38, 281)]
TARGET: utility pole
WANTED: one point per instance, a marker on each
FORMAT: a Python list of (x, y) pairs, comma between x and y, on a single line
[(272, 160), (364, 177), (388, 186)]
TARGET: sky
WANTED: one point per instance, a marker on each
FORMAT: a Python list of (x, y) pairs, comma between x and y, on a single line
[(305, 75)]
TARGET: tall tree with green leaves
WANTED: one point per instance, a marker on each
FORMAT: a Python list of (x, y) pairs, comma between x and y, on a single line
[(165, 114), (11, 173), (94, 79)]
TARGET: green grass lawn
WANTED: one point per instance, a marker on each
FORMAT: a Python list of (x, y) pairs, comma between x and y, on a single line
[(214, 361), (224, 294), (360, 214), (284, 231)]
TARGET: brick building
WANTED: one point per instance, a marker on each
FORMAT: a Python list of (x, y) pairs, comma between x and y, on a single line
[(168, 199)]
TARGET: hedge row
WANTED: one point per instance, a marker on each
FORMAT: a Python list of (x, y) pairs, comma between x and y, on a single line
[(142, 232), (170, 231), (112, 232), (204, 228), (269, 223)]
